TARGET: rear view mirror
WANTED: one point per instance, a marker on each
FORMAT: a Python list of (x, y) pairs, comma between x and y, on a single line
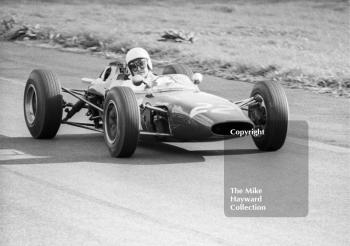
[(87, 80), (197, 78)]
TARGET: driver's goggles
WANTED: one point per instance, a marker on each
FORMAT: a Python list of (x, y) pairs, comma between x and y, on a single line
[(136, 64)]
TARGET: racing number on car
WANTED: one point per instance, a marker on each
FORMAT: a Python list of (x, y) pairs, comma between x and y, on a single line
[(207, 107)]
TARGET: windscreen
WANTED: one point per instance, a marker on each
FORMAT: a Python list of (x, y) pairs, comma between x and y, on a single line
[(173, 82)]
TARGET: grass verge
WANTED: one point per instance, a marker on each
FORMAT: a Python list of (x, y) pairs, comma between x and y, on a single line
[(302, 44)]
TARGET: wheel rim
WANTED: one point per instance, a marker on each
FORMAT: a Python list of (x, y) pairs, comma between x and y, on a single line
[(31, 104), (258, 114), (111, 122)]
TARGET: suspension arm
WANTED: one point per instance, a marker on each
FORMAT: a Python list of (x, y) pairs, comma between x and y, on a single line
[(74, 94), (82, 125), (142, 106), (246, 102)]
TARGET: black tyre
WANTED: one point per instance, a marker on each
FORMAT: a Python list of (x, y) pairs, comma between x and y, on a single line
[(43, 104), (178, 69), (270, 115), (121, 121)]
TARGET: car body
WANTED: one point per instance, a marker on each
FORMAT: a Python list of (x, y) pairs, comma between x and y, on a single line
[(171, 108)]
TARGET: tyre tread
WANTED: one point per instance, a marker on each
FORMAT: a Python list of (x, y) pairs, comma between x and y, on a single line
[(49, 91), (126, 102), (278, 122)]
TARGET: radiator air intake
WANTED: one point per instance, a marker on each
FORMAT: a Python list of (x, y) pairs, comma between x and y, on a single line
[(226, 128)]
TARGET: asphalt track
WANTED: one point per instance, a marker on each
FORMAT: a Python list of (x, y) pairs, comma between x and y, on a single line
[(68, 191)]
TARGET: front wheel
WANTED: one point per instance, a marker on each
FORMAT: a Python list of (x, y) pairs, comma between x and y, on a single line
[(121, 121), (270, 115), (43, 104)]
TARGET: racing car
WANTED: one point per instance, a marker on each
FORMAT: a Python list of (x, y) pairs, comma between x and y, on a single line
[(173, 108)]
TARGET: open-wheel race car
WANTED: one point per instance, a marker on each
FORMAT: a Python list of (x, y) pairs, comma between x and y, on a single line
[(173, 108)]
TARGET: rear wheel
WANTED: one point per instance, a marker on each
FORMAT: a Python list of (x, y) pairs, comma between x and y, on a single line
[(43, 104), (270, 114), (121, 121), (178, 69)]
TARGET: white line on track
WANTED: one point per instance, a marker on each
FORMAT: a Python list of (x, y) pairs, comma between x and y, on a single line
[(319, 145), (13, 81), (13, 154)]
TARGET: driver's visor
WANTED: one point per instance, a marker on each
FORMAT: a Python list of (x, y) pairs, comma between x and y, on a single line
[(137, 63)]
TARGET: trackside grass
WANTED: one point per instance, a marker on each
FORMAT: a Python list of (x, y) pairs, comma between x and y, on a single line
[(303, 44)]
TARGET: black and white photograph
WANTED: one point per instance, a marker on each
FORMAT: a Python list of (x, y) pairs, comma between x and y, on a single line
[(173, 122)]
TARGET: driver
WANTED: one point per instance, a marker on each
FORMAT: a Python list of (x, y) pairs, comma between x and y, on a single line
[(139, 63)]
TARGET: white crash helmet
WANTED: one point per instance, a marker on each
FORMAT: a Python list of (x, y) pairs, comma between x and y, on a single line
[(136, 53)]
